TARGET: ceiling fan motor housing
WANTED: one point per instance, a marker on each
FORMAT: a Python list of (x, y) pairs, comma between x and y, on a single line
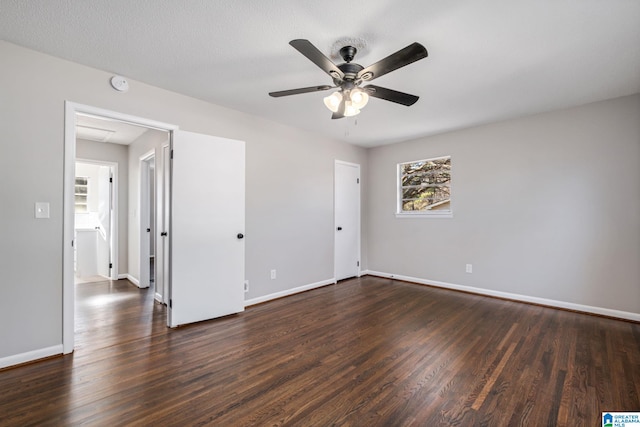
[(350, 70)]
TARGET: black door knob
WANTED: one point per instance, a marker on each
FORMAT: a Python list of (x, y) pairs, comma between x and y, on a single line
[(240, 236), (148, 230), (164, 233), (339, 228)]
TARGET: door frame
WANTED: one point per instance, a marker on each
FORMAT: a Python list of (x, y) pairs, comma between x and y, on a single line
[(68, 220), (359, 216), (113, 238), (144, 214)]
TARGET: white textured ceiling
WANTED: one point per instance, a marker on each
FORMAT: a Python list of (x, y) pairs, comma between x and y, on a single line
[(104, 130), (488, 60)]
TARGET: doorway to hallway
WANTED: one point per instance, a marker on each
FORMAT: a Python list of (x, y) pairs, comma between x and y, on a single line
[(206, 226), (95, 220), (95, 135)]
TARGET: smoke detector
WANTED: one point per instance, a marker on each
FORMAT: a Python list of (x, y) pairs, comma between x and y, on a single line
[(119, 83)]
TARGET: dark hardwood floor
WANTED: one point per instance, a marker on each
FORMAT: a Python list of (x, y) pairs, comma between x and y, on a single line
[(365, 352)]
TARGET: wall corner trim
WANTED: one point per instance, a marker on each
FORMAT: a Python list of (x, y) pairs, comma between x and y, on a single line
[(30, 356), (288, 292), (601, 311)]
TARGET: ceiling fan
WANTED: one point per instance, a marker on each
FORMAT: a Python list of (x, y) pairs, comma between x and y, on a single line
[(348, 76)]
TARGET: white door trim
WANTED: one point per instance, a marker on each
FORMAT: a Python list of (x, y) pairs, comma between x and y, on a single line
[(68, 291), (359, 216)]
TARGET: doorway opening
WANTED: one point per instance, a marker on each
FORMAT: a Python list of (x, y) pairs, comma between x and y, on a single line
[(207, 181), (96, 219), (86, 123)]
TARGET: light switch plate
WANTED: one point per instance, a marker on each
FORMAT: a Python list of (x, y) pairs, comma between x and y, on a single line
[(42, 210)]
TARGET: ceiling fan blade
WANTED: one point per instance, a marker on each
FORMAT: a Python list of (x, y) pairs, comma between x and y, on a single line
[(340, 113), (314, 55), (299, 91), (406, 56), (391, 95)]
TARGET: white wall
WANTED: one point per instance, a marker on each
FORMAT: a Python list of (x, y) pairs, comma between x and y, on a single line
[(545, 206), (524, 211), (289, 218), (115, 153)]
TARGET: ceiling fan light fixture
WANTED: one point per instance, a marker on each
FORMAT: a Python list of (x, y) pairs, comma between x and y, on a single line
[(359, 98), (350, 109), (350, 98), (350, 112), (332, 102)]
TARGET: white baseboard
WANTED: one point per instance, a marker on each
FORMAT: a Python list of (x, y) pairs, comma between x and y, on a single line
[(132, 279), (516, 297), (122, 276), (30, 356), (288, 292)]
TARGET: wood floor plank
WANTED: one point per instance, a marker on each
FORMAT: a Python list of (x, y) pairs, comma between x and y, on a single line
[(365, 352)]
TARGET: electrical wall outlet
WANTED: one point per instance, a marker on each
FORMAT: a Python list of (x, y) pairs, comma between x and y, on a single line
[(469, 268), (273, 274), (246, 286)]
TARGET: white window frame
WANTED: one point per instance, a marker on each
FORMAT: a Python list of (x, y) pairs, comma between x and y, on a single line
[(419, 214)]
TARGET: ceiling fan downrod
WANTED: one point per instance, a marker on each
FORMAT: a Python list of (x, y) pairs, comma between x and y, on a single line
[(348, 53)]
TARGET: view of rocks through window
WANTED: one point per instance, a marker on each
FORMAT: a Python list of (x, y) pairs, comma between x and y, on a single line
[(426, 184)]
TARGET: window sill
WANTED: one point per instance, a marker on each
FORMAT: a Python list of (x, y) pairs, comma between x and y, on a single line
[(424, 215)]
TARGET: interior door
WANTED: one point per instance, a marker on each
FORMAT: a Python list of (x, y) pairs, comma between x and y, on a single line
[(347, 220), (166, 211), (162, 229), (147, 211), (206, 228), (105, 196)]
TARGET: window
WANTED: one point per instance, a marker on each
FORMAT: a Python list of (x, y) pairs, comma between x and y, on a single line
[(424, 187), (81, 192)]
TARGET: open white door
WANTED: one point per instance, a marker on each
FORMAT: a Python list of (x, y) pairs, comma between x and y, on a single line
[(162, 227), (206, 228), (166, 211), (347, 220), (147, 211), (105, 196)]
